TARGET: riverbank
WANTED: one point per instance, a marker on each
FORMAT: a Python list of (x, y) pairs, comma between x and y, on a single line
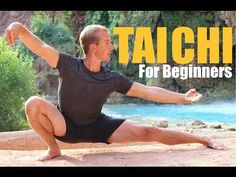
[(23, 148)]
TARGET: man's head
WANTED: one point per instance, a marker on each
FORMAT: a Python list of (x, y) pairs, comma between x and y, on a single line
[(95, 40)]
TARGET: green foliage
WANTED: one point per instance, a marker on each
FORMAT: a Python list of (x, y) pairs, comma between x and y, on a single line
[(144, 18), (115, 18), (97, 17), (65, 18), (17, 83), (57, 35)]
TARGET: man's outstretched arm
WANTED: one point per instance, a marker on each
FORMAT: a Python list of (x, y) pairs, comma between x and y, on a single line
[(162, 95), (17, 30)]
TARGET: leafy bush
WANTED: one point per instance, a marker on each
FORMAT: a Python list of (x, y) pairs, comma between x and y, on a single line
[(97, 17), (57, 35), (17, 83)]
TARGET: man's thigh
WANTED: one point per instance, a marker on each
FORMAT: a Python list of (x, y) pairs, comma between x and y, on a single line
[(129, 131)]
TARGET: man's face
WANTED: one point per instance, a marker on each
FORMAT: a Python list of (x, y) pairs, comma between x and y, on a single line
[(104, 47)]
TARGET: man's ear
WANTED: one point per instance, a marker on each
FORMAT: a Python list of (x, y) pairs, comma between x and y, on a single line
[(93, 47)]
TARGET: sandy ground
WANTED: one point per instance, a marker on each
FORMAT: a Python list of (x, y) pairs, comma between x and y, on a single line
[(23, 148)]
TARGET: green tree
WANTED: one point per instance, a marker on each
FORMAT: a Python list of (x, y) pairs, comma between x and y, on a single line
[(55, 34), (17, 84), (97, 17)]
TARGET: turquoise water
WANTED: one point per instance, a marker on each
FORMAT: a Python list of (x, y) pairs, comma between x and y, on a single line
[(220, 112)]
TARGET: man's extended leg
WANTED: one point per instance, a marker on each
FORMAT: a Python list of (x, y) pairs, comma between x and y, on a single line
[(131, 131), (47, 121)]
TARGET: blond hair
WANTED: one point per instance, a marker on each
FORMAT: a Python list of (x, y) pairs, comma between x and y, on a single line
[(89, 35)]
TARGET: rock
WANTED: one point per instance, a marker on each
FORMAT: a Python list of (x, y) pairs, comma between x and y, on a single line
[(161, 123), (197, 123), (231, 129), (202, 126), (181, 124), (216, 126)]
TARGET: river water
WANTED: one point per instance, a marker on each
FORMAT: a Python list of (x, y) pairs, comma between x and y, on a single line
[(217, 112)]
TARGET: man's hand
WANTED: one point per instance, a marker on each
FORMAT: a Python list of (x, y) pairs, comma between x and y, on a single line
[(34, 43), (192, 96), (12, 32)]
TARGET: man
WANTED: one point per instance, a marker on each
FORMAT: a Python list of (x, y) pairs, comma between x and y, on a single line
[(84, 86)]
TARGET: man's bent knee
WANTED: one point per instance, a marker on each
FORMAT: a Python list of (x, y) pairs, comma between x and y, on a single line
[(32, 104)]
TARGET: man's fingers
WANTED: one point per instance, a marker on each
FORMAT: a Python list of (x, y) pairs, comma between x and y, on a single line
[(193, 90), (8, 38), (13, 40), (11, 37), (198, 97)]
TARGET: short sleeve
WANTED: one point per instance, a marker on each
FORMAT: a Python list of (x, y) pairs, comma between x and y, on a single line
[(65, 62), (122, 83)]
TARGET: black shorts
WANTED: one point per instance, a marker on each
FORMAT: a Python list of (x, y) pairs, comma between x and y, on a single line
[(97, 131)]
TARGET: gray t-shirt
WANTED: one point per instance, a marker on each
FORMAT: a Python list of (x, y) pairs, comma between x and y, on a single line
[(82, 93)]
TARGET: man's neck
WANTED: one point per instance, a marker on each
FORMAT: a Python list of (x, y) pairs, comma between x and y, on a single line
[(92, 64)]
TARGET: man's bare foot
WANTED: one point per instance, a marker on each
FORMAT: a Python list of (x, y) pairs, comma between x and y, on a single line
[(51, 153), (211, 143)]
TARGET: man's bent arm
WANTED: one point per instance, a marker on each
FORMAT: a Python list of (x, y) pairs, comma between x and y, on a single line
[(32, 42), (157, 94)]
